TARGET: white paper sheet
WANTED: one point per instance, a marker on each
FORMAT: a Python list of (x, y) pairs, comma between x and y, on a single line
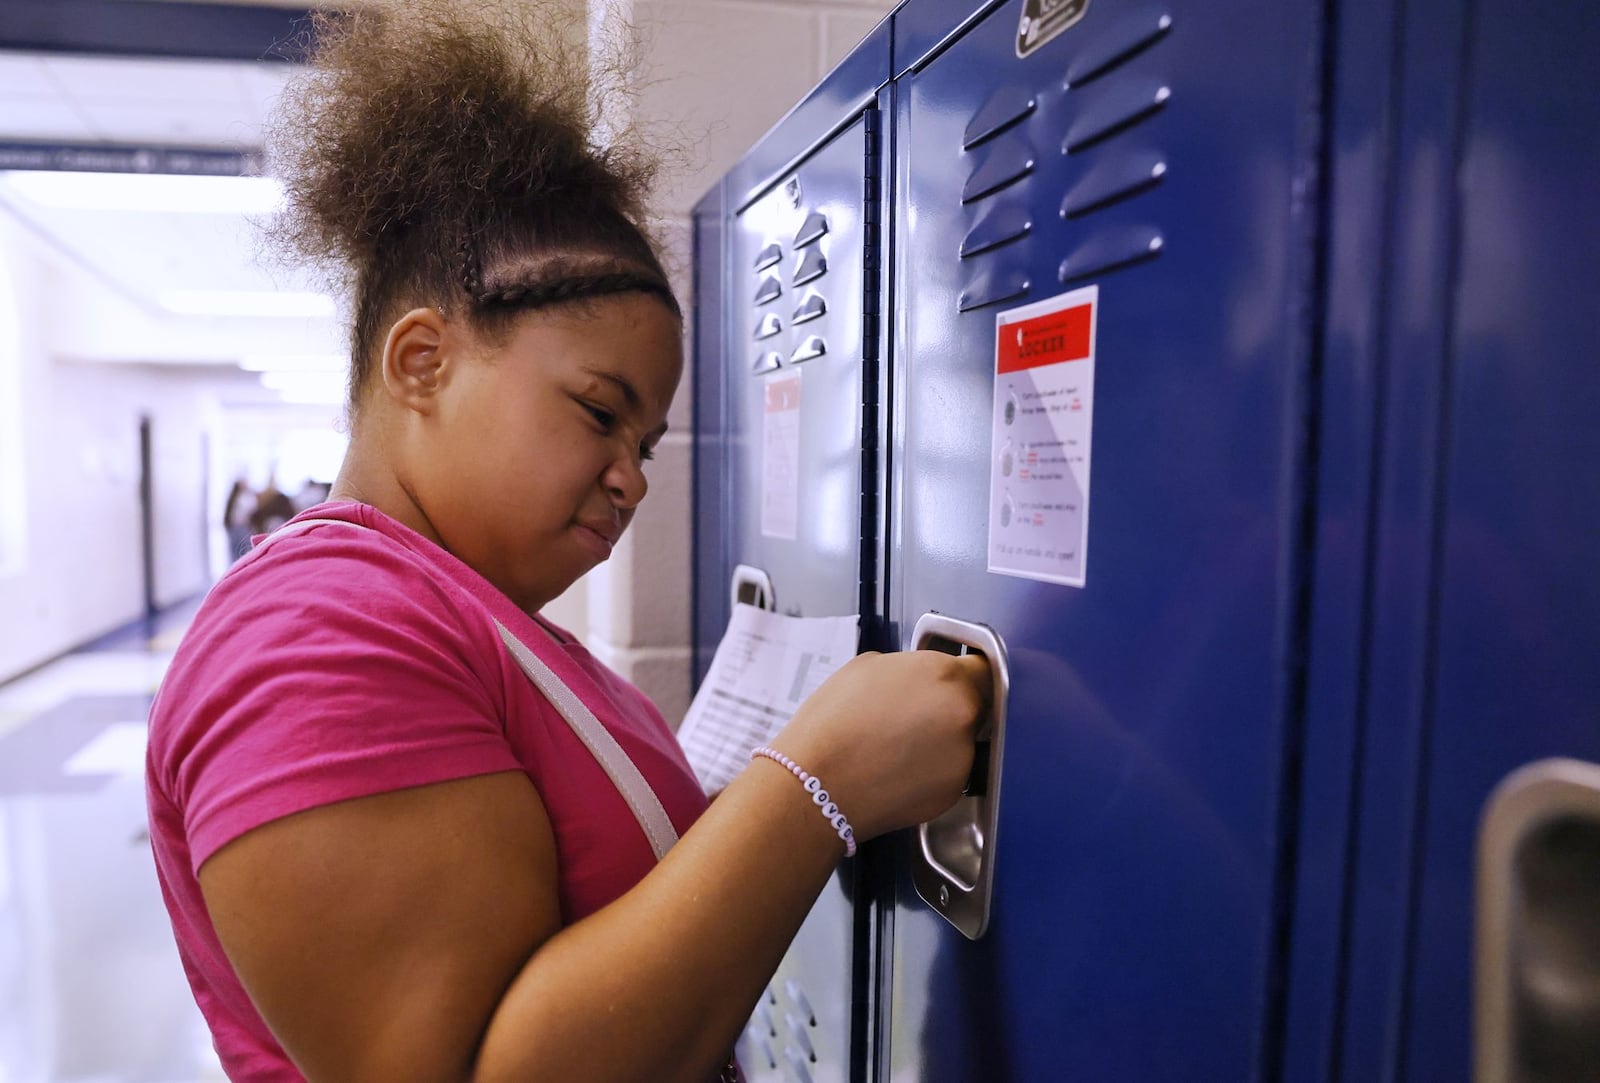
[(764, 668)]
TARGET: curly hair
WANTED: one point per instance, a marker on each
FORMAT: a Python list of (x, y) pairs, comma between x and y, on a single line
[(444, 154)]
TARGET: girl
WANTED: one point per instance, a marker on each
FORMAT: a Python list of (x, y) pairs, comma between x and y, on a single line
[(387, 854)]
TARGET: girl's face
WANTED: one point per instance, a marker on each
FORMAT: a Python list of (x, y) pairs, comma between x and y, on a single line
[(535, 464)]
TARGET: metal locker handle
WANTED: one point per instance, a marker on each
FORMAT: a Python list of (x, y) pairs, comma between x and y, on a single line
[(952, 865), (1538, 927), (752, 586)]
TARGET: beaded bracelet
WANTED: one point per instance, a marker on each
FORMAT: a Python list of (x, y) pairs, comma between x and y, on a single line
[(819, 796)]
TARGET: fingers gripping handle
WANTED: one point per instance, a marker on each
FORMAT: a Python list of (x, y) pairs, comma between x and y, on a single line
[(954, 860)]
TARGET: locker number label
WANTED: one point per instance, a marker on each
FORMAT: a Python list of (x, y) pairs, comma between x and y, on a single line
[(1042, 20), (1039, 449)]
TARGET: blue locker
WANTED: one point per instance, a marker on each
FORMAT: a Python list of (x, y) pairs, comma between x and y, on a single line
[(712, 555), (1461, 382), (1165, 154), (786, 471)]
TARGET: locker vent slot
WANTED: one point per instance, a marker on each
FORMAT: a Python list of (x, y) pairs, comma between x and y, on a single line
[(809, 350), (1112, 181), (766, 362), (802, 1040), (1118, 43), (812, 265), (999, 226), (770, 325), (811, 308), (769, 256), (992, 288), (797, 1064), (1005, 165), (814, 228), (1112, 251), (771, 289), (1116, 112), (1003, 109)]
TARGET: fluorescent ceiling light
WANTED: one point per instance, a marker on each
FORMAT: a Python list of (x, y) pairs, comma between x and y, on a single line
[(306, 387), (247, 303), (307, 362), (152, 192)]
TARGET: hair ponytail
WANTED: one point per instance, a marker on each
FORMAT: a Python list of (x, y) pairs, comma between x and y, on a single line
[(443, 154)]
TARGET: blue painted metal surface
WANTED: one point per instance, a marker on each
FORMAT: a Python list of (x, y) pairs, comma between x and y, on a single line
[(1395, 696), (923, 27), (1361, 133), (1486, 610), (1342, 574), (792, 260), (713, 559), (1142, 857)]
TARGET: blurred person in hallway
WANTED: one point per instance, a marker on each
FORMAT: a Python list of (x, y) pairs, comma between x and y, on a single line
[(236, 517)]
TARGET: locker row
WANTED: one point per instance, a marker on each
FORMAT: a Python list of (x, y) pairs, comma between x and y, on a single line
[(1297, 293)]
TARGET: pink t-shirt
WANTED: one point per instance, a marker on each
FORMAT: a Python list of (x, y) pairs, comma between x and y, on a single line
[(341, 663)]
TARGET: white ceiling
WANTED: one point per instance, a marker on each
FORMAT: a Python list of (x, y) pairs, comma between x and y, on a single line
[(141, 256), (78, 99)]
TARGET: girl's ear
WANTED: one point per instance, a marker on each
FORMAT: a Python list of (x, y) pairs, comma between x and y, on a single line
[(415, 363)]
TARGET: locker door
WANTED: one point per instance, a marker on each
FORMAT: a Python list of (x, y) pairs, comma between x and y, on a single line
[(797, 368), (1158, 153), (1486, 602)]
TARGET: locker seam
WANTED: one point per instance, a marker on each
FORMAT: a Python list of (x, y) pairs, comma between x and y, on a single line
[(1371, 544), (1310, 326), (864, 919), (1443, 447)]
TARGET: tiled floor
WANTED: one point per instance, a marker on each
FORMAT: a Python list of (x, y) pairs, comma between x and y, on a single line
[(91, 990)]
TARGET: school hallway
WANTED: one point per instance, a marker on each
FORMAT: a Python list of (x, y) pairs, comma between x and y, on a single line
[(91, 989)]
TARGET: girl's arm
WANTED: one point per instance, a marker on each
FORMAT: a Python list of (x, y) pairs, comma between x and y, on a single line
[(416, 935)]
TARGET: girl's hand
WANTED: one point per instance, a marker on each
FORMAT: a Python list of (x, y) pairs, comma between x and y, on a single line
[(891, 735)]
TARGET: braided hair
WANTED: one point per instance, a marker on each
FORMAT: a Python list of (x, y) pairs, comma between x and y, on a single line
[(443, 153)]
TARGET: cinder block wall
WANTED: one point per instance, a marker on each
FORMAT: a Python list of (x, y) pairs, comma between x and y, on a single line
[(721, 72)]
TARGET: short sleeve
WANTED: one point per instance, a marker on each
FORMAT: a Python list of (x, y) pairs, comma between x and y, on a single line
[(334, 666)]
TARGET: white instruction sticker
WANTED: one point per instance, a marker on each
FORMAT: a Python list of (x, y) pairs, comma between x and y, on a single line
[(780, 457), (1039, 451), (764, 668)]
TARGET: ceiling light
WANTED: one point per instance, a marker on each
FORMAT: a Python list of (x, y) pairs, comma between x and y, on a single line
[(306, 387), (307, 362), (247, 303), (152, 192)]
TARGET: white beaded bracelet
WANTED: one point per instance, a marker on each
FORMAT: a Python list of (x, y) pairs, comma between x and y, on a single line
[(818, 795)]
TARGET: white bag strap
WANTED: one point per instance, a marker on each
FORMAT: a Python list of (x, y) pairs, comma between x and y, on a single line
[(611, 756)]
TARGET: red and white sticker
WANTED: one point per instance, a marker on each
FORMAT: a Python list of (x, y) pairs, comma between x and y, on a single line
[(1043, 419), (780, 457)]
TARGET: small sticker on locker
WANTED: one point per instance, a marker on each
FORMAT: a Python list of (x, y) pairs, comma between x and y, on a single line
[(1040, 436), (780, 457), (1042, 20)]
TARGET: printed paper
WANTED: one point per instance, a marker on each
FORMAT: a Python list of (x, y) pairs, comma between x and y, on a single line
[(764, 668)]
